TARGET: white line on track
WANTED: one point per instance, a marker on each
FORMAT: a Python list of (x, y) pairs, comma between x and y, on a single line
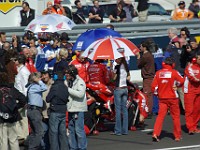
[(183, 147)]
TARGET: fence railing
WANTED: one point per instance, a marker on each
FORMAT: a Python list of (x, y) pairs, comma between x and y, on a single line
[(128, 30)]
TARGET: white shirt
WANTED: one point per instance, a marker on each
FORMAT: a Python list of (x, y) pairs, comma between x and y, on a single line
[(21, 79)]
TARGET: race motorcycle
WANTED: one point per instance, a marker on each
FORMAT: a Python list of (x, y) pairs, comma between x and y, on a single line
[(100, 101)]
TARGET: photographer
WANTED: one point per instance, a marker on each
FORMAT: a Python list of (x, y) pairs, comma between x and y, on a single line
[(35, 106)]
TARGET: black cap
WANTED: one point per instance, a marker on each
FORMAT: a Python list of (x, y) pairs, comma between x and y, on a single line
[(64, 36), (181, 3)]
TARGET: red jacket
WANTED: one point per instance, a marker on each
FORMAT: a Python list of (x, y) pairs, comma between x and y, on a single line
[(98, 72), (30, 65), (192, 79), (164, 82), (82, 68), (141, 99)]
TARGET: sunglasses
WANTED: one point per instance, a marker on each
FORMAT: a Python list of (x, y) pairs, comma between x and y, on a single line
[(13, 59)]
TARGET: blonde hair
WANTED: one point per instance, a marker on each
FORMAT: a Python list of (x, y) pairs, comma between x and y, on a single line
[(62, 53)]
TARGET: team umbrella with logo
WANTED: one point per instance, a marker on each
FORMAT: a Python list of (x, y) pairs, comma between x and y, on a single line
[(110, 48), (50, 23)]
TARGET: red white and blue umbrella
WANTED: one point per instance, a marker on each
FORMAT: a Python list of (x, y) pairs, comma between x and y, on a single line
[(110, 48)]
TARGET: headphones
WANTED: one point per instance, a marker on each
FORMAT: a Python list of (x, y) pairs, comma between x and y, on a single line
[(55, 77), (72, 71)]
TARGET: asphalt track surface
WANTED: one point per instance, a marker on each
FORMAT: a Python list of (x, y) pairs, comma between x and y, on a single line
[(141, 139)]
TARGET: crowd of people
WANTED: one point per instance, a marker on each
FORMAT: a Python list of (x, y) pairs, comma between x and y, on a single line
[(123, 12), (46, 79)]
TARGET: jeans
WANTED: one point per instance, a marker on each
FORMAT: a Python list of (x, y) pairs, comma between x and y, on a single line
[(77, 136), (120, 100), (57, 131), (35, 137)]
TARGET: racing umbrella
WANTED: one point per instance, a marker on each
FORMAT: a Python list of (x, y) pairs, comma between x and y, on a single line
[(88, 37), (50, 23), (110, 48)]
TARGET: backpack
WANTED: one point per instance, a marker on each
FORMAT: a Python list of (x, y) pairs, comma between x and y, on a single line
[(8, 104)]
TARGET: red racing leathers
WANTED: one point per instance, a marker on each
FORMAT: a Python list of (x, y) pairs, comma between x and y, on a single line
[(164, 85), (82, 68), (98, 72), (192, 96), (141, 100)]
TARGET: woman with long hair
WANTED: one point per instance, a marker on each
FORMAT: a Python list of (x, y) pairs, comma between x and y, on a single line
[(121, 75)]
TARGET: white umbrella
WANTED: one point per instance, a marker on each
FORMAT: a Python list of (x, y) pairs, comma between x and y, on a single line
[(50, 23)]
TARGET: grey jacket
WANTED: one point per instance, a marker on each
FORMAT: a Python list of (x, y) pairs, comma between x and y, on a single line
[(77, 96)]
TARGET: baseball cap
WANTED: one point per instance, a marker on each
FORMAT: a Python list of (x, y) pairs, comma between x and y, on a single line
[(57, 1), (181, 3)]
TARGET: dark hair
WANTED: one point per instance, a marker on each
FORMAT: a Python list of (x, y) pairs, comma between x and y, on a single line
[(72, 70), (145, 44), (123, 61), (169, 61), (64, 36), (76, 2), (194, 1), (26, 3), (4, 78), (21, 59), (10, 54), (110, 26), (187, 32), (2, 33)]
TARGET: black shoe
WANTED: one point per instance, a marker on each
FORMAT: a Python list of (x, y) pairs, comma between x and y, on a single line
[(155, 138)]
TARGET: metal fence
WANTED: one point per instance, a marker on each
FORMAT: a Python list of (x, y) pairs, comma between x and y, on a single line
[(128, 30)]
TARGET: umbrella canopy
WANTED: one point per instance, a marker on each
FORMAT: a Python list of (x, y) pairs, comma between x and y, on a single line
[(86, 38), (50, 23), (110, 48)]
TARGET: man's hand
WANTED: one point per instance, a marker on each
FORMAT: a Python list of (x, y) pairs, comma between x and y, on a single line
[(137, 55)]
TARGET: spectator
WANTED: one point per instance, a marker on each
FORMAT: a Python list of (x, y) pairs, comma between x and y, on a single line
[(76, 107), (96, 13), (21, 80), (29, 61), (182, 13), (2, 39), (27, 14), (79, 17), (82, 64), (34, 112), (57, 8), (16, 43), (164, 85), (66, 44), (46, 78), (147, 66), (51, 50), (110, 26), (173, 35), (191, 95), (118, 14), (121, 75), (11, 69), (130, 11), (142, 10), (58, 98), (8, 135), (185, 33), (62, 62), (48, 10), (25, 40), (195, 8)]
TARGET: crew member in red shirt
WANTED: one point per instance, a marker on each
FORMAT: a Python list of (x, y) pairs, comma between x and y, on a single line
[(82, 64), (192, 95), (165, 85)]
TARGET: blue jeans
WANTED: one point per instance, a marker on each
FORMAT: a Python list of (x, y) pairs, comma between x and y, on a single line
[(77, 136), (155, 104), (35, 137), (57, 131), (120, 100)]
